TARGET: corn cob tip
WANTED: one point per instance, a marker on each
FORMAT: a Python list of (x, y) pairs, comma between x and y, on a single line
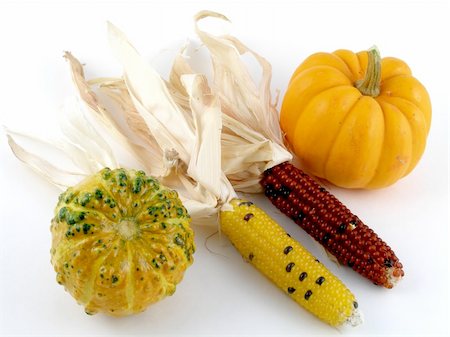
[(393, 276), (355, 319)]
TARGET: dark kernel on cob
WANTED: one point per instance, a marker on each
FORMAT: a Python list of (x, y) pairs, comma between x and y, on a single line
[(331, 223), (308, 294), (287, 250), (289, 266), (248, 216), (320, 280), (341, 229), (302, 276)]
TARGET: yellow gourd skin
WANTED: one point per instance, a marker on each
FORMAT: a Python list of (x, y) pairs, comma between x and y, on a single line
[(120, 242), (348, 134)]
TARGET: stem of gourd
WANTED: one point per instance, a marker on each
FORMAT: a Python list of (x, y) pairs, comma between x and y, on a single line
[(370, 84)]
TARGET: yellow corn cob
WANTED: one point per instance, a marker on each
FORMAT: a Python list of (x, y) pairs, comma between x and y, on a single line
[(267, 246)]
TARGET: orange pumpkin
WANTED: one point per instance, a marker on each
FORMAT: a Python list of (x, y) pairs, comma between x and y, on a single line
[(355, 119)]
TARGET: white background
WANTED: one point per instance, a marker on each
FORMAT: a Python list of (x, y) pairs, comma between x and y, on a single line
[(221, 294)]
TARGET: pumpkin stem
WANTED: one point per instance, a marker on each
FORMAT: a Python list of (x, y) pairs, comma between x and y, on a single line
[(370, 84)]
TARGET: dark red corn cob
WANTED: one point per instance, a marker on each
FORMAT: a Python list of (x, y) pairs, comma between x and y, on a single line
[(332, 224)]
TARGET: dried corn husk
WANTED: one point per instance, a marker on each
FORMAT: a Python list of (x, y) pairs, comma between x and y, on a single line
[(187, 135), (52, 172), (193, 137), (81, 144), (179, 146), (139, 142), (251, 136)]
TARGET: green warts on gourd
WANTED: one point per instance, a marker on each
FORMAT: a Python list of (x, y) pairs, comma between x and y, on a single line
[(121, 241)]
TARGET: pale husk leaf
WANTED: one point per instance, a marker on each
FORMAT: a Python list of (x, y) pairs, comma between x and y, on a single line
[(134, 130), (81, 144), (179, 67), (241, 98), (204, 164), (190, 140), (251, 137), (115, 90), (62, 178), (246, 153), (152, 98), (87, 148)]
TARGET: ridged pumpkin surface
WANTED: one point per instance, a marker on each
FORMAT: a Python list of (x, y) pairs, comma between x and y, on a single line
[(350, 138), (120, 241)]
